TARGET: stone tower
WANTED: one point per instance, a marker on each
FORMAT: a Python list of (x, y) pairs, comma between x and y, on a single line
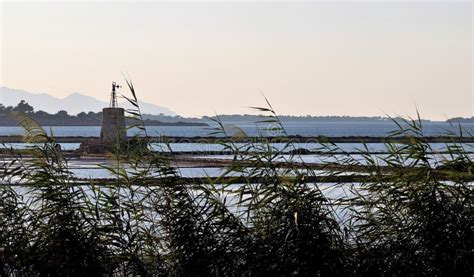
[(113, 121)]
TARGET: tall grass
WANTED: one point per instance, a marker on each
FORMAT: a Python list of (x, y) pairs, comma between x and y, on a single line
[(419, 222), (412, 216)]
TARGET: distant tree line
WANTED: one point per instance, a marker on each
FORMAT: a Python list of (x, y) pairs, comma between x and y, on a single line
[(62, 118), (92, 118), (303, 118), (44, 118), (461, 120), (329, 118)]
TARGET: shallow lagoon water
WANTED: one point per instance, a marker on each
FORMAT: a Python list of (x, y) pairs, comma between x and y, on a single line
[(312, 128), (213, 147), (92, 169)]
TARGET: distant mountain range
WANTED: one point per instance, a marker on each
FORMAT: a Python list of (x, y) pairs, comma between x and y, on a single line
[(73, 104), (76, 103)]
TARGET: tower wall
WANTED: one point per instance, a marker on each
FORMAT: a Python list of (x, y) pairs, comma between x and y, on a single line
[(113, 125)]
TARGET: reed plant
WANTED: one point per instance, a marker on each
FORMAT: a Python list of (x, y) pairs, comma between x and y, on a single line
[(410, 215)]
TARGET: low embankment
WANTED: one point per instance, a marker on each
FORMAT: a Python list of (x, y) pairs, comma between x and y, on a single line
[(294, 139)]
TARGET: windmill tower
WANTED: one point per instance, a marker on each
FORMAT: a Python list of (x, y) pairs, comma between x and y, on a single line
[(113, 121)]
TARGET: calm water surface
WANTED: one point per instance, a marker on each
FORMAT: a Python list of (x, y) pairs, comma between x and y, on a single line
[(334, 129), (330, 129)]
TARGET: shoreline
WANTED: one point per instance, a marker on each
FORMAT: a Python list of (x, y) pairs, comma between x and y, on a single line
[(288, 139)]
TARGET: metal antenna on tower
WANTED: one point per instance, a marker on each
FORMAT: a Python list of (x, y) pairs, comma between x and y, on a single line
[(113, 99)]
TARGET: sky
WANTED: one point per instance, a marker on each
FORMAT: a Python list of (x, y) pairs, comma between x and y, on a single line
[(201, 58)]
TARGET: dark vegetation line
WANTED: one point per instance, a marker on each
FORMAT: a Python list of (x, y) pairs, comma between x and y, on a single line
[(62, 118), (249, 139), (310, 118), (441, 171), (73, 154), (410, 223)]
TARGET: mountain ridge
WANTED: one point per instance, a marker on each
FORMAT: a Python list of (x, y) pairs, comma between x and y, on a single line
[(73, 103)]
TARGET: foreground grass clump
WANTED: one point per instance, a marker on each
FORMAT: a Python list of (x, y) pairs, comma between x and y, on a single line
[(421, 222), (412, 217)]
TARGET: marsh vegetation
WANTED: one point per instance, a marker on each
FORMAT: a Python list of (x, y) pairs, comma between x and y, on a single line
[(411, 215)]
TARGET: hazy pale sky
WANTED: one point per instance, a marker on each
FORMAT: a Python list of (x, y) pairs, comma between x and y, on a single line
[(318, 58)]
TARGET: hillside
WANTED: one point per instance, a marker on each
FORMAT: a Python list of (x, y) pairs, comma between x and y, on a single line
[(73, 104)]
